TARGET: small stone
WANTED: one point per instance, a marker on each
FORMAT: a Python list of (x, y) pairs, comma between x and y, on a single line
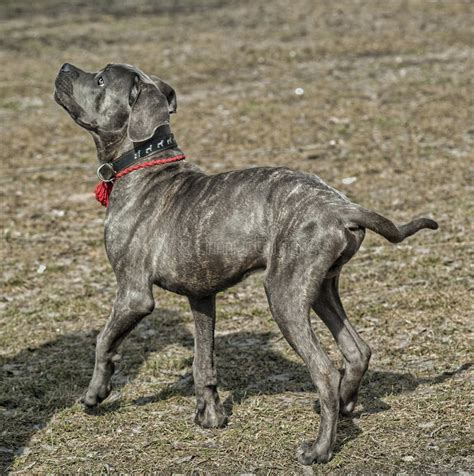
[(281, 377), (23, 451), (41, 269), (299, 91), (426, 425), (58, 213)]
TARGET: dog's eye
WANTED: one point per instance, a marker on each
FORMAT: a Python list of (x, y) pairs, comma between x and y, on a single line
[(100, 81)]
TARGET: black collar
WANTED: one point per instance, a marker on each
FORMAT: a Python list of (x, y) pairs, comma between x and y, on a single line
[(162, 140)]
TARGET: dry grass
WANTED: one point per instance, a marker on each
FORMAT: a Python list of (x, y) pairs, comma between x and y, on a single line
[(388, 99)]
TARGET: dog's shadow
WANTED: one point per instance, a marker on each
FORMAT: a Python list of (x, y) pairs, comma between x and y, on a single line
[(248, 365), (38, 382)]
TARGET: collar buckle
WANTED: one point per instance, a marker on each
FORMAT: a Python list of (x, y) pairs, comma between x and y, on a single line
[(106, 172)]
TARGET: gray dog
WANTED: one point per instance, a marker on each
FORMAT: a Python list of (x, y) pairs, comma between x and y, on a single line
[(194, 234)]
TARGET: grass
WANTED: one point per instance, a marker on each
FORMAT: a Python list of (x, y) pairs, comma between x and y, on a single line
[(387, 99)]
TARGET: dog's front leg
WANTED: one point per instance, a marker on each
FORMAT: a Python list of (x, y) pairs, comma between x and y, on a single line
[(131, 305), (209, 410)]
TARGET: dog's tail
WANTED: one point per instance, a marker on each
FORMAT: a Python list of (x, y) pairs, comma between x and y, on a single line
[(364, 218)]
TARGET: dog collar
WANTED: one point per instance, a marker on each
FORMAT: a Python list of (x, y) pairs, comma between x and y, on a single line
[(104, 188), (161, 141)]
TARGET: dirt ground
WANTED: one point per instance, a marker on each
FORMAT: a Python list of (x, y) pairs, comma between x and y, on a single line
[(386, 116)]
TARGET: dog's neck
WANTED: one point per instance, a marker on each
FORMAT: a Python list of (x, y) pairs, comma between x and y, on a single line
[(157, 147), (111, 146)]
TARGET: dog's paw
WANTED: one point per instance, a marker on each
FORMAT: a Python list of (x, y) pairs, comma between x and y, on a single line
[(348, 397), (93, 397), (211, 417), (347, 401), (309, 453)]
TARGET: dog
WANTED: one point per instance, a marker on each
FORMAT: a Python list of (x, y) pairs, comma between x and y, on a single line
[(174, 226)]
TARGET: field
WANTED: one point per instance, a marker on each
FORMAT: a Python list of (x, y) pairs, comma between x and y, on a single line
[(386, 116)]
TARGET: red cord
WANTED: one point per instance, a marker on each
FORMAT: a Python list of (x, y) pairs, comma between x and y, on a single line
[(104, 189)]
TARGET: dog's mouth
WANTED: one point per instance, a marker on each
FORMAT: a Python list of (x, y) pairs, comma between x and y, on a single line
[(65, 100), (63, 87), (63, 96)]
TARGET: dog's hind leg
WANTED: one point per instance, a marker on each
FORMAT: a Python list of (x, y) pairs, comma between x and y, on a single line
[(209, 410), (355, 351), (132, 304), (291, 289)]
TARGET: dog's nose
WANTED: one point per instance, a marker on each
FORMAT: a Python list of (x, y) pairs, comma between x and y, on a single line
[(66, 68), (69, 70)]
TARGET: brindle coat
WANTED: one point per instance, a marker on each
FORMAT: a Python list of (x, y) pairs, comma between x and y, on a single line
[(197, 234)]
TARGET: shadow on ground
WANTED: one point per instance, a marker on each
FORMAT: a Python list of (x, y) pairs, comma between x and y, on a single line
[(39, 382)]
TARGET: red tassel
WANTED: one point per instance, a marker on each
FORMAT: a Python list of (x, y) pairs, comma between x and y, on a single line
[(104, 189), (102, 192)]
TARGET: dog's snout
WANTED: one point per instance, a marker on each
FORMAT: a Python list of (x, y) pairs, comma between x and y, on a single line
[(66, 68), (69, 69)]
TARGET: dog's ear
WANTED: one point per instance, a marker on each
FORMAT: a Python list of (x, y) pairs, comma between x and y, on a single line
[(149, 110), (168, 91)]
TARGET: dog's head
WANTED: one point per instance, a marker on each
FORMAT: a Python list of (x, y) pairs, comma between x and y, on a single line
[(117, 100)]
